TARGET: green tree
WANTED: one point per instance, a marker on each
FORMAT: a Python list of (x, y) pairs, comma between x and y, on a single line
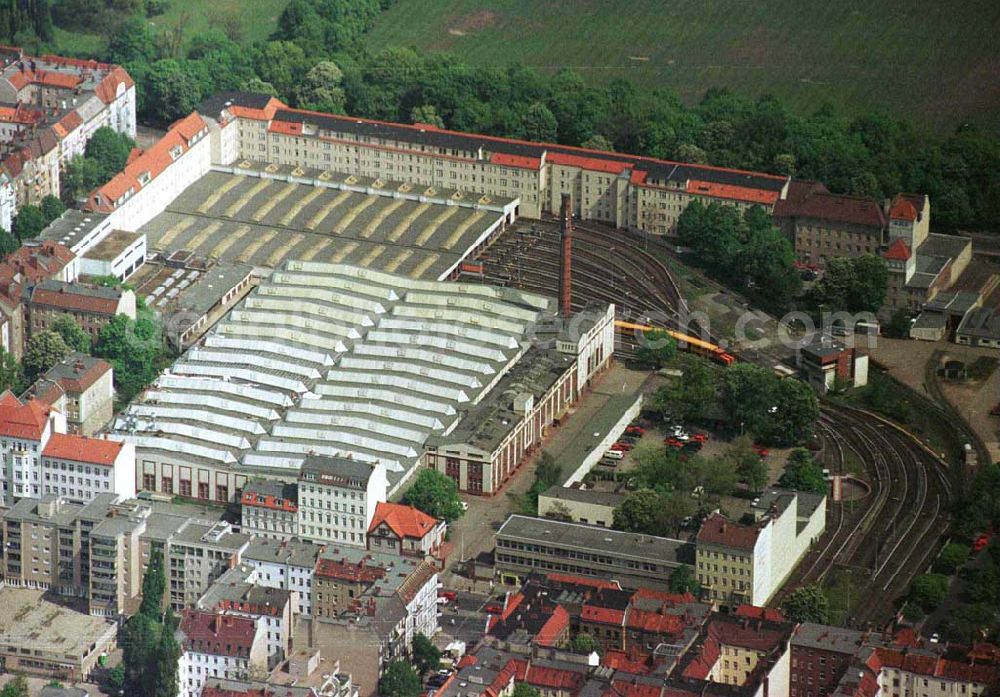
[(639, 512), (716, 476), (774, 411), (77, 339), (928, 590), (748, 464), (171, 90), (898, 326), (399, 680), (683, 580), (322, 89), (29, 221), (523, 689), (52, 208), (539, 124), (585, 643), (435, 494), (153, 584), (597, 142), (426, 656), (11, 374), (167, 657), (116, 679), (803, 473), (80, 176), (18, 687), (688, 396), (807, 604), (140, 643), (656, 347), (131, 42), (110, 150), (43, 351), (953, 555), (134, 349), (426, 114), (8, 244)]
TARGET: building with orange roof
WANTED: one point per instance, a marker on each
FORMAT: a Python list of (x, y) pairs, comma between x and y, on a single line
[(80, 468), (50, 106), (222, 646), (25, 429), (400, 529), (616, 188)]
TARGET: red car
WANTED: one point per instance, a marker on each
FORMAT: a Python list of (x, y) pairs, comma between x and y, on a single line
[(448, 595), (699, 437), (635, 430), (622, 446), (673, 443), (493, 608), (761, 450), (980, 544)]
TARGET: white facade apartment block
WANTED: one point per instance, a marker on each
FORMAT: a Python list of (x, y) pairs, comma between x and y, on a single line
[(82, 475), (194, 667), (422, 612), (21, 448), (337, 499)]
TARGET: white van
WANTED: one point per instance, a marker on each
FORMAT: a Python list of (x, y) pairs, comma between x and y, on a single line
[(614, 454)]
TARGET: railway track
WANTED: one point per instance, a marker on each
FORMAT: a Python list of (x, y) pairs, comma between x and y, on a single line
[(895, 531), (888, 537)]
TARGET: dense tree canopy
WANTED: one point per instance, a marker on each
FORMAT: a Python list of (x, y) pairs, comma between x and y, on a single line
[(803, 473), (399, 680), (807, 604), (435, 494), (43, 351), (775, 411)]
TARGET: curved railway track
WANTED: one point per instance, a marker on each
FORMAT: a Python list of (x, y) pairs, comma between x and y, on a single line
[(887, 537)]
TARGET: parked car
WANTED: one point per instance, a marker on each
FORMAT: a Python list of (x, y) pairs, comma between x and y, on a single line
[(448, 595), (622, 445), (980, 543), (761, 450), (673, 443), (614, 454), (635, 430), (493, 607)]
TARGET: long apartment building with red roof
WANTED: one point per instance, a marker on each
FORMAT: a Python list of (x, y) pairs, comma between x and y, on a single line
[(50, 107), (615, 188)]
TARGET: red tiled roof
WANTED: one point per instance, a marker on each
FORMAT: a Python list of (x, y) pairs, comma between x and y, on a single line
[(728, 191), (655, 622), (25, 421), (404, 521), (49, 78), (717, 530), (520, 161), (554, 626), (95, 451), (553, 678), (152, 163), (285, 128), (593, 164), (665, 597), (902, 209), (38, 261), (897, 251), (75, 301), (343, 570), (259, 114), (756, 635), (223, 635), (107, 88), (510, 605), (602, 615), (619, 660), (935, 666), (823, 205), (583, 581), (772, 614)]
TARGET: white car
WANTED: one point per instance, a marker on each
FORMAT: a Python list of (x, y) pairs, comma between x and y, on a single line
[(465, 505), (442, 600)]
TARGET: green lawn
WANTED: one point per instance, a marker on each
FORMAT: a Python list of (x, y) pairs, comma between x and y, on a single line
[(934, 62), (254, 20)]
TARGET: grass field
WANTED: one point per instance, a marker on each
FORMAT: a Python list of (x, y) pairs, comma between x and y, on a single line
[(256, 20), (934, 62)]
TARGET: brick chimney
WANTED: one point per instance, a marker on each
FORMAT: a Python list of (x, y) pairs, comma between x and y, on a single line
[(565, 260)]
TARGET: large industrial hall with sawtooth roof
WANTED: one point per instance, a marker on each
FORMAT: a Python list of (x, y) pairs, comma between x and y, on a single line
[(328, 359)]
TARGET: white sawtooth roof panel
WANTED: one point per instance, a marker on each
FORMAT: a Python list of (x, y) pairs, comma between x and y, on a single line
[(416, 353), (420, 387), (449, 299), (333, 437), (174, 446), (476, 334), (341, 312), (345, 283), (253, 376), (285, 319), (215, 402), (163, 411), (402, 365), (389, 409), (333, 421), (303, 338), (338, 291), (443, 343), (256, 360), (288, 449), (208, 435), (458, 315), (219, 341), (202, 384), (362, 392)]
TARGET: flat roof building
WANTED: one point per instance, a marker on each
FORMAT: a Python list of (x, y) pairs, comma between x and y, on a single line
[(525, 544)]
